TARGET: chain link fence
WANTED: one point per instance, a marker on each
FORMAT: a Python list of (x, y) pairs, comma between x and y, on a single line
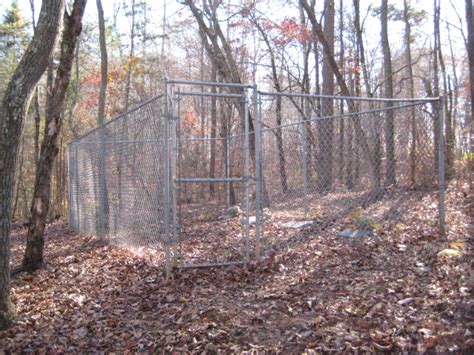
[(346, 163), (115, 178), (166, 175)]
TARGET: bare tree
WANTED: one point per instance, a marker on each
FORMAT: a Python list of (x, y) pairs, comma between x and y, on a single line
[(411, 89), (278, 109), (36, 107), (326, 126), (388, 93), (470, 36), (359, 132), (13, 109), (103, 193), (33, 258)]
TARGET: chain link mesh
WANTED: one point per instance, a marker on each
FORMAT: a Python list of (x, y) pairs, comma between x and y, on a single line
[(116, 176), (335, 162)]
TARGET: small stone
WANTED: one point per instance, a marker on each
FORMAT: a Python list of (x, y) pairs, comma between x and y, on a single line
[(297, 224), (234, 211), (349, 233)]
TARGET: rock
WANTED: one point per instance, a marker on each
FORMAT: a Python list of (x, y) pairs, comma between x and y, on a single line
[(297, 224), (349, 233), (234, 211)]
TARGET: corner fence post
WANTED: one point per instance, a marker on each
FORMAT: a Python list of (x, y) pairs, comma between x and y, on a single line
[(258, 173), (246, 177), (174, 152), (166, 178), (441, 169)]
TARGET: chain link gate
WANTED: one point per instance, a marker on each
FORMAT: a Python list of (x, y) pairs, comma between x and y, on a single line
[(210, 167), (160, 178)]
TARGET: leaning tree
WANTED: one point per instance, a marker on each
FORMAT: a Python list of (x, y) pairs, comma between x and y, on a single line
[(13, 108)]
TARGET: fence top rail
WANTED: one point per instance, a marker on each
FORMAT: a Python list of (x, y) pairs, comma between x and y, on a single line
[(348, 114), (354, 98), (133, 109), (208, 83), (206, 94)]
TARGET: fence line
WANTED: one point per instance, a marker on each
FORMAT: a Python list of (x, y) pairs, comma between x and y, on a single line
[(143, 179)]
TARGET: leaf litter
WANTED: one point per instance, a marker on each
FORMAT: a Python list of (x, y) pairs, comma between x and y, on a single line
[(324, 294)]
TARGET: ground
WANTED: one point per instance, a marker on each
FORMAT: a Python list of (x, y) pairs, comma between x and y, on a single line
[(400, 290)]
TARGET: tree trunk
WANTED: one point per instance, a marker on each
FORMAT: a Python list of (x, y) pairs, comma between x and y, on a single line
[(326, 126), (358, 131), (341, 155), (411, 91), (278, 111), (212, 166), (103, 222), (470, 45), (222, 58), (448, 122), (131, 55), (12, 114), (388, 93), (33, 258)]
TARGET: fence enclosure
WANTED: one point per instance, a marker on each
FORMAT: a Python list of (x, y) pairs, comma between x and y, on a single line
[(148, 178)]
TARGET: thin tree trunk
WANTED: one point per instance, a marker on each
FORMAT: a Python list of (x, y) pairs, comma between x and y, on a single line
[(278, 111), (389, 125), (449, 147), (326, 126), (359, 132), (13, 110), (131, 55), (411, 91), (37, 115), (33, 258), (436, 107), (70, 121), (103, 222), (470, 47), (19, 178), (212, 166), (341, 154)]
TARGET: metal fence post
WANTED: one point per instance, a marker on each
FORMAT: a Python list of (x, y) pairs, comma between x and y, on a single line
[(258, 173), (227, 167), (78, 194), (166, 178), (441, 168), (246, 177), (69, 187), (305, 165), (174, 187)]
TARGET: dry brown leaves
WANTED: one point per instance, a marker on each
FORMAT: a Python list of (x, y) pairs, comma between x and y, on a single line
[(391, 292)]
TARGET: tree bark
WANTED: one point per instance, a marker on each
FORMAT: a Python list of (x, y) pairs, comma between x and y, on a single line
[(212, 166), (131, 55), (470, 46), (33, 258), (103, 222), (389, 126), (326, 126), (278, 112), (359, 132), (222, 58), (13, 109)]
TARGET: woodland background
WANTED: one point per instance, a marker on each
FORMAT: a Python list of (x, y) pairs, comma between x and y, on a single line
[(406, 289), (147, 42)]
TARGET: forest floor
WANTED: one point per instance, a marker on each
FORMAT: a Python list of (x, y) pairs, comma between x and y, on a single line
[(401, 290)]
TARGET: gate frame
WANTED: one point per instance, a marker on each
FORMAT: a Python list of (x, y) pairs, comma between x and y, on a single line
[(170, 166)]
